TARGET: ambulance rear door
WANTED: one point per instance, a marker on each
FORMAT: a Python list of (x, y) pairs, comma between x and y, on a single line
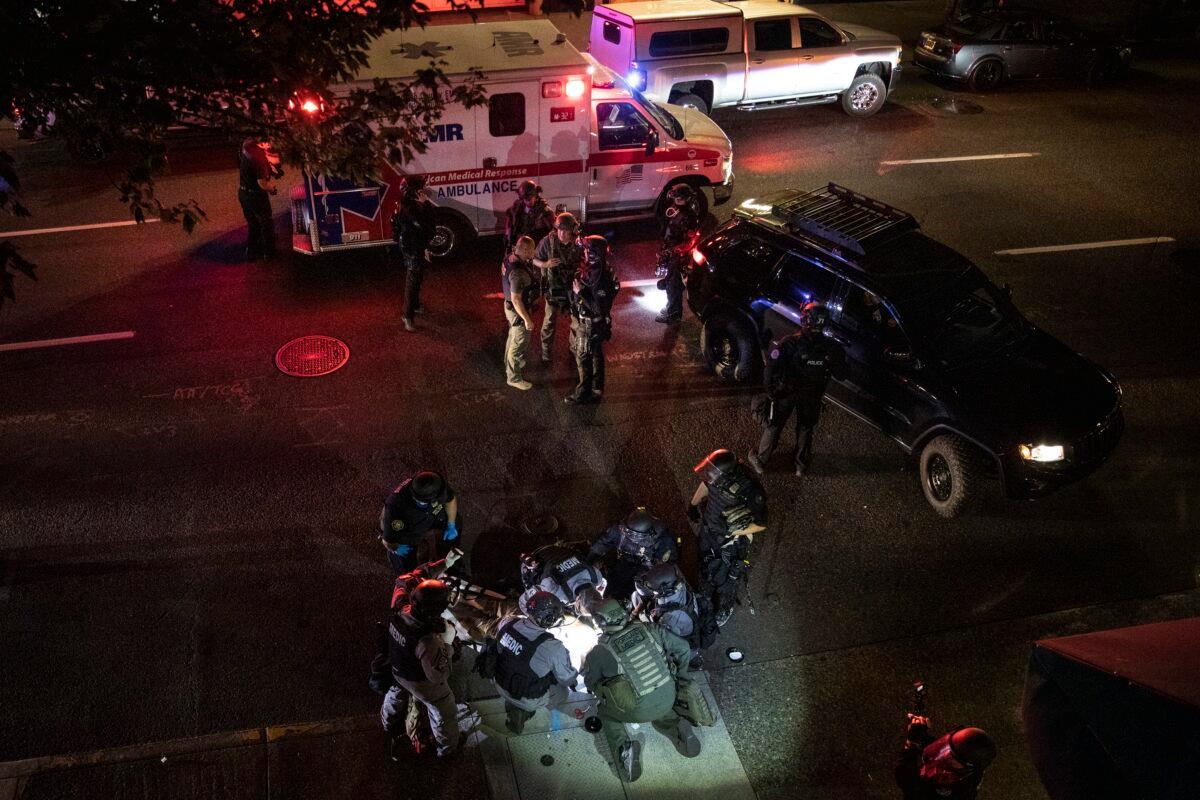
[(565, 102), (506, 132)]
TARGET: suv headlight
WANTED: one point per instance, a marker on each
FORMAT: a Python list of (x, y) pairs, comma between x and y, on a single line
[(1042, 453)]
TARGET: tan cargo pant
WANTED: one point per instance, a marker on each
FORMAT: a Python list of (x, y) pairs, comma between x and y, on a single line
[(516, 350)]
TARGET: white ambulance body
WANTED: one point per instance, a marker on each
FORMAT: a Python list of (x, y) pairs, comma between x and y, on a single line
[(553, 114)]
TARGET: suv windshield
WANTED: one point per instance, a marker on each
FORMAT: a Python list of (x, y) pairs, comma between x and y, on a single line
[(967, 321)]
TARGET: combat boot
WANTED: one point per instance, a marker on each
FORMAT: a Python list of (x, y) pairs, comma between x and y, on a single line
[(686, 739), (629, 761)]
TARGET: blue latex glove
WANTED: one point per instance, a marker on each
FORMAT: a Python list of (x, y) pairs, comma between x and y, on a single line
[(451, 533), (403, 550)]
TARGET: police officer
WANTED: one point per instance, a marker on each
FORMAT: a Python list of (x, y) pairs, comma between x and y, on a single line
[(640, 541), (521, 287), (798, 369), (529, 215), (533, 669), (591, 299), (413, 227), (661, 594), (420, 659), (419, 521), (559, 255), (948, 767), (679, 237), (729, 507), (256, 184), (632, 671), (558, 570)]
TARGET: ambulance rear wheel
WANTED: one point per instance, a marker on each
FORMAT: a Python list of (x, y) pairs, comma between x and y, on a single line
[(450, 237)]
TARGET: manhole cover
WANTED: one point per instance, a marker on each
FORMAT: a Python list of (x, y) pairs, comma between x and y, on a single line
[(312, 356), (955, 105)]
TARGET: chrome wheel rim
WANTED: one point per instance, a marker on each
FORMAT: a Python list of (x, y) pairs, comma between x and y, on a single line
[(442, 241), (864, 97)]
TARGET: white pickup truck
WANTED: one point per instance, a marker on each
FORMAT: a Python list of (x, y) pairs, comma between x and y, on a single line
[(711, 54)]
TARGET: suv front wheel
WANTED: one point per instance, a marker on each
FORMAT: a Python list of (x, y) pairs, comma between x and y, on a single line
[(729, 348), (951, 472)]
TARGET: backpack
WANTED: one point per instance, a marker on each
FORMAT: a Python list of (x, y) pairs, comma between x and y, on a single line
[(487, 658)]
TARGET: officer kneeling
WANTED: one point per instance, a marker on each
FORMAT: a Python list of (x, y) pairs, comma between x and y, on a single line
[(633, 670), (532, 669), (420, 660)]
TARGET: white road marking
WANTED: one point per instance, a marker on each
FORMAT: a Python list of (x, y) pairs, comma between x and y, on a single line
[(38, 231), (948, 159), (624, 285), (95, 337), (1063, 248)]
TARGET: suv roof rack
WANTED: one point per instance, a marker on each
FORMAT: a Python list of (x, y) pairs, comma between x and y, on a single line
[(841, 217)]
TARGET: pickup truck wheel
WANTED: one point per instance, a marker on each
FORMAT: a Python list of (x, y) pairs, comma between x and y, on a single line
[(728, 348), (865, 96), (689, 100), (450, 236), (950, 475)]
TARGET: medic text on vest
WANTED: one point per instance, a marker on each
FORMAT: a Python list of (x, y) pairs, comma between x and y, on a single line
[(468, 189)]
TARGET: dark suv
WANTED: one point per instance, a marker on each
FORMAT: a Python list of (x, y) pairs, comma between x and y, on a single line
[(938, 358)]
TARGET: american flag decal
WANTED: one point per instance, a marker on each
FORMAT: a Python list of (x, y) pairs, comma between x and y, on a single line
[(634, 173)]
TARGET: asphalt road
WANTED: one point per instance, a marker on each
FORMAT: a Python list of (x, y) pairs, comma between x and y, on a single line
[(187, 534)]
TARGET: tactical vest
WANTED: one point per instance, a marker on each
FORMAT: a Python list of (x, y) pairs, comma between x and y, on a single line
[(630, 550), (723, 495), (558, 279), (529, 295), (513, 671), (639, 658), (564, 572), (403, 649)]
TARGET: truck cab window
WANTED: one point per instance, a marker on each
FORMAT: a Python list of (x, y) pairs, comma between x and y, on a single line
[(816, 33), (773, 34), (506, 114), (612, 32), (620, 126)]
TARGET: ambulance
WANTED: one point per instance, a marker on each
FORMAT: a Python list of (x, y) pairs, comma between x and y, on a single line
[(598, 148)]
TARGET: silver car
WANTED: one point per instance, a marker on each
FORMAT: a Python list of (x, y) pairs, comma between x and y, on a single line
[(987, 49)]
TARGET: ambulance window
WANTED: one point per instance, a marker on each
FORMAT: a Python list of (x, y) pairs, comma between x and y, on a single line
[(612, 32), (506, 114), (621, 126)]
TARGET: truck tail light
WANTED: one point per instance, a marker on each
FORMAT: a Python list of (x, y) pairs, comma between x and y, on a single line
[(552, 89), (575, 88)]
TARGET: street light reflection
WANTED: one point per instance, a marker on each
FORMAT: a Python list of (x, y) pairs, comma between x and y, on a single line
[(652, 299)]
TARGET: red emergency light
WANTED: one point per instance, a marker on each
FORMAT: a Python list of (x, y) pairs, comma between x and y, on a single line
[(310, 104)]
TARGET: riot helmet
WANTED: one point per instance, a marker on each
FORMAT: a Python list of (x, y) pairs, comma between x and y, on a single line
[(639, 527), (427, 486), (609, 616), (566, 222), (532, 565), (542, 608), (718, 464), (528, 190), (411, 184), (429, 600), (681, 194), (596, 252), (661, 580), (952, 757), (814, 316)]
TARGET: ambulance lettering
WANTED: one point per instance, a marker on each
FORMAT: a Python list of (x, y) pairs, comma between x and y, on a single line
[(469, 189), (450, 132)]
